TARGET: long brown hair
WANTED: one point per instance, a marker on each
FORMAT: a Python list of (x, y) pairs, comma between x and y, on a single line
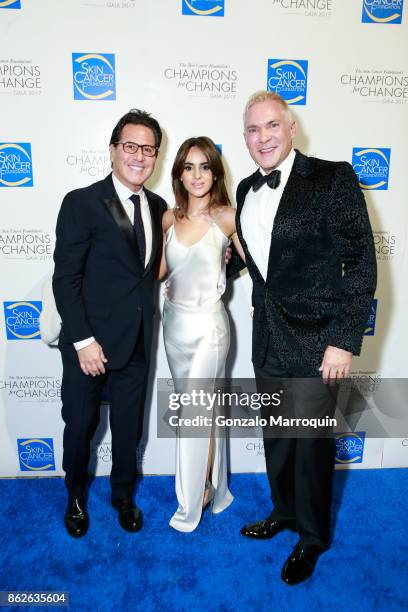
[(218, 193)]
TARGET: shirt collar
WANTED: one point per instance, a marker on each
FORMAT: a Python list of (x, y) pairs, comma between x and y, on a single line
[(124, 192)]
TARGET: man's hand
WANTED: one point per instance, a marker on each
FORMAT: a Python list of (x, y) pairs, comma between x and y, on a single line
[(336, 363), (92, 359)]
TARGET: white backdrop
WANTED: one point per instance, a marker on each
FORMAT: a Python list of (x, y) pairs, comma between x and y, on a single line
[(194, 73)]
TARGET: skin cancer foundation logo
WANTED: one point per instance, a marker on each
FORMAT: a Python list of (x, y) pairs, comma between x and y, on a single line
[(94, 76), (372, 167), (203, 8), (350, 447), (36, 454), (382, 11), (10, 4), (370, 330), (22, 320), (288, 78), (16, 166)]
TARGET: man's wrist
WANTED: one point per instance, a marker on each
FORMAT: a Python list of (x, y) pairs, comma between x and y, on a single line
[(83, 343), (340, 348)]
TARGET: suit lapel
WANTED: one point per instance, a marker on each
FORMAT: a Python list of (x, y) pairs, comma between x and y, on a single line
[(155, 217), (241, 195), (296, 188), (302, 167), (118, 213), (295, 193)]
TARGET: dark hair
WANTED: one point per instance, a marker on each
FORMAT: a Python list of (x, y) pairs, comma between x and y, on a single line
[(137, 117), (219, 193)]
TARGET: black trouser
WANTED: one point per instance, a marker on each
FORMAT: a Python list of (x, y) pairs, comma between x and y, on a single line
[(80, 395), (300, 469)]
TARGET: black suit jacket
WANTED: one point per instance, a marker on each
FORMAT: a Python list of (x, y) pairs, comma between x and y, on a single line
[(322, 267), (101, 288)]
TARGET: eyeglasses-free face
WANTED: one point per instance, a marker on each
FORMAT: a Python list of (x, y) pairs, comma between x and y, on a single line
[(268, 134), (130, 163), (197, 176)]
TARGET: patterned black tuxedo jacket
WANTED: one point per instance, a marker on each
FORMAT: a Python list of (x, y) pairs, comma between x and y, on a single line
[(322, 268)]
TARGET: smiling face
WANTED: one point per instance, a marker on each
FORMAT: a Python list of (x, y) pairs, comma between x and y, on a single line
[(197, 176), (268, 134), (133, 170)]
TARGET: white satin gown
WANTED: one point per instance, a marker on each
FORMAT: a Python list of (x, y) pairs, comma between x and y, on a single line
[(196, 338)]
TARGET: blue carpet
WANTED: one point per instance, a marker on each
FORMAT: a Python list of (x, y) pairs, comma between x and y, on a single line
[(213, 568)]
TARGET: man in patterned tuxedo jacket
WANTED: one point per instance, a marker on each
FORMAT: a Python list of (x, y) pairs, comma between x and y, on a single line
[(108, 246), (309, 249)]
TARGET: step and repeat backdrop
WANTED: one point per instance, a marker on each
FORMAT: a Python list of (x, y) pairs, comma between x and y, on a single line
[(70, 68)]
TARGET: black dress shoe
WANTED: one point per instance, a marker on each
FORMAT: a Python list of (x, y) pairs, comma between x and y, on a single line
[(300, 564), (130, 517), (264, 530), (76, 517)]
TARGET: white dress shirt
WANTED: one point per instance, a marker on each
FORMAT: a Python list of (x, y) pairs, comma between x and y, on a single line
[(124, 193), (258, 215)]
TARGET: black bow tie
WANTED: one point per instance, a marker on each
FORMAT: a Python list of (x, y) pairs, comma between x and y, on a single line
[(272, 180)]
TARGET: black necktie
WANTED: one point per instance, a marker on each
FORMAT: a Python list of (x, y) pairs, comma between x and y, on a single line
[(138, 227), (272, 179)]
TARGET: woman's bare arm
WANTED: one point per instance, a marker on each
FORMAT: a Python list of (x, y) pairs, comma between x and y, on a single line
[(167, 221)]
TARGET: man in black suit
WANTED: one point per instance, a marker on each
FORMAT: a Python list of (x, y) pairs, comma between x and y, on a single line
[(309, 249), (107, 249)]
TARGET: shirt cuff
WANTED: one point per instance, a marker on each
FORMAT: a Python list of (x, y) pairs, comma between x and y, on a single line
[(83, 343)]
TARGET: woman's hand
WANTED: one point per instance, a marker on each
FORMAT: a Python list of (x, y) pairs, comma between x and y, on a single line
[(166, 287)]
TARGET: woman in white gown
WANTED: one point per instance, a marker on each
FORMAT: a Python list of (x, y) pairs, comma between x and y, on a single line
[(197, 233)]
